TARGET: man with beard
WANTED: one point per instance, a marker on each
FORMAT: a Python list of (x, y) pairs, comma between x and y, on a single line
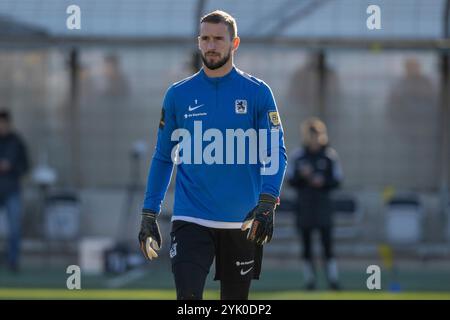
[(222, 210)]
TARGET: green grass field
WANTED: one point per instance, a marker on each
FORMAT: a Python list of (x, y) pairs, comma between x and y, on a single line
[(157, 283), (103, 294)]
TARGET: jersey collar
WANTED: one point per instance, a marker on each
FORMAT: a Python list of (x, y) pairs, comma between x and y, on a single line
[(228, 76)]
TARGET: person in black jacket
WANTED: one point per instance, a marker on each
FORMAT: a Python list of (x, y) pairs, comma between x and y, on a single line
[(314, 172), (13, 165)]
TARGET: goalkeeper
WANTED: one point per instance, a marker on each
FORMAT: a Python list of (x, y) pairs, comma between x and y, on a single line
[(222, 210)]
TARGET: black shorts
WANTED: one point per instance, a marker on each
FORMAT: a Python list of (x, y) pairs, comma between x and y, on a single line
[(237, 259)]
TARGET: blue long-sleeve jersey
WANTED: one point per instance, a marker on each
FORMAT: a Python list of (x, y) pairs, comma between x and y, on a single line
[(217, 183)]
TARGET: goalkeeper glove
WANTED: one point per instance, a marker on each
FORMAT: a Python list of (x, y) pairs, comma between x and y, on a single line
[(149, 236), (260, 220)]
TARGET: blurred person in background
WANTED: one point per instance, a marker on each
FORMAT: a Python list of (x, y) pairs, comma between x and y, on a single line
[(413, 121), (13, 165), (314, 81), (414, 91), (314, 172), (116, 84)]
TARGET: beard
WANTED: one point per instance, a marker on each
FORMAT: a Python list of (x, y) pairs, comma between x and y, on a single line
[(218, 64)]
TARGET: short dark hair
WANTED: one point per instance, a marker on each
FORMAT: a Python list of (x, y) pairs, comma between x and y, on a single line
[(220, 16), (5, 115)]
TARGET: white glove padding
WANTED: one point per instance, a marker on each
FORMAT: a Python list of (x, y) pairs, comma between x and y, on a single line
[(151, 246)]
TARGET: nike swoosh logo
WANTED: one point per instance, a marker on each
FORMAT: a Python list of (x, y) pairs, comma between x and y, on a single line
[(193, 108), (243, 273)]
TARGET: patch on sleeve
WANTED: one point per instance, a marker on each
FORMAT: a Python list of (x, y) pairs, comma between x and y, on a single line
[(161, 122), (274, 120)]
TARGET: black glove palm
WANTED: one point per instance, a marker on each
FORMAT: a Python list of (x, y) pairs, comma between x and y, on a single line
[(149, 236), (260, 220)]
